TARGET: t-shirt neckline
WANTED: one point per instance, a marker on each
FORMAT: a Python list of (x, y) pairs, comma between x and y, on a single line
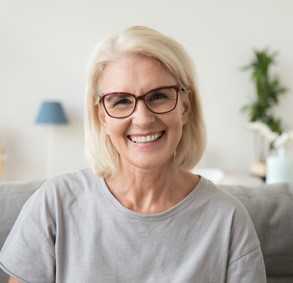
[(151, 216)]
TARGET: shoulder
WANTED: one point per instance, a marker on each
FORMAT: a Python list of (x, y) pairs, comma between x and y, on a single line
[(221, 200), (227, 208), (74, 182), (232, 213), (63, 190)]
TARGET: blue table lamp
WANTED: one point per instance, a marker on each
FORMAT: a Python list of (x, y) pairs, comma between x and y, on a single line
[(51, 114)]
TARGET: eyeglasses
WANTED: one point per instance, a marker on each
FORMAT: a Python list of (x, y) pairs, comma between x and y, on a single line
[(159, 101)]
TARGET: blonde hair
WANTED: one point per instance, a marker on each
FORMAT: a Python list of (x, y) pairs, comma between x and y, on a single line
[(100, 153)]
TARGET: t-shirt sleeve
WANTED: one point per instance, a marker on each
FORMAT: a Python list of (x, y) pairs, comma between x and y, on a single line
[(248, 268), (246, 264), (28, 253)]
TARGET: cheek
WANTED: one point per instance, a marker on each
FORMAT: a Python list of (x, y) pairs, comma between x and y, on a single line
[(115, 129), (178, 119), (175, 127)]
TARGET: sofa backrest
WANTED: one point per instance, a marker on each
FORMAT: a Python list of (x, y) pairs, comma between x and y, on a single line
[(271, 210)]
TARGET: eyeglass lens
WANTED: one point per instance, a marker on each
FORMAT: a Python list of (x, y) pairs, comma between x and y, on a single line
[(158, 101)]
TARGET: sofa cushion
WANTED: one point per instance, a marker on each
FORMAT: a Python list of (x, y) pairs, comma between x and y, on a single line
[(13, 195), (271, 209)]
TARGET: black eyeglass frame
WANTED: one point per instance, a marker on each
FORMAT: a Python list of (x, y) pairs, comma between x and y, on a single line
[(141, 97)]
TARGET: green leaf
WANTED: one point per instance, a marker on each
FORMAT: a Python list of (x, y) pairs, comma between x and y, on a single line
[(268, 89)]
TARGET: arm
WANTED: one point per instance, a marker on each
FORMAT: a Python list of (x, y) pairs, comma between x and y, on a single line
[(246, 263), (33, 233), (248, 268)]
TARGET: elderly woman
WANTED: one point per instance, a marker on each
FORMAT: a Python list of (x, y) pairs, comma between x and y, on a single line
[(138, 215)]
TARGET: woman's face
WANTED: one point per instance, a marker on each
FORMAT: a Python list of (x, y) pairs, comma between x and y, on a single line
[(144, 139)]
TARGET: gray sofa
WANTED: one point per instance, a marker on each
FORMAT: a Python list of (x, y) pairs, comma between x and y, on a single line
[(270, 207)]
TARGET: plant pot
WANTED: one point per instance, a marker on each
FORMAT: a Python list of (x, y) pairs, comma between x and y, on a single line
[(280, 168)]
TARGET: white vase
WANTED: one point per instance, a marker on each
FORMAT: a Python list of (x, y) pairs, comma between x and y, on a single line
[(280, 167)]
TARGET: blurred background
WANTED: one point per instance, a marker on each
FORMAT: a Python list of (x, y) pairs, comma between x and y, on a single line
[(45, 47)]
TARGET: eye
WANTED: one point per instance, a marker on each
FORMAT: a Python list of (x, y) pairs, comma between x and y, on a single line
[(157, 96), (121, 101), (118, 100)]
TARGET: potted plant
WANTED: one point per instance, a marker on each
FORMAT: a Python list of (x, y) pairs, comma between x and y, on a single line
[(268, 91)]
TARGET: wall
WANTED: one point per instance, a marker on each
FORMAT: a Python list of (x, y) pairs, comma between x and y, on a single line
[(45, 46)]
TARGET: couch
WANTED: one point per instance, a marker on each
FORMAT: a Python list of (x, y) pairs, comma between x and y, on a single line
[(270, 207)]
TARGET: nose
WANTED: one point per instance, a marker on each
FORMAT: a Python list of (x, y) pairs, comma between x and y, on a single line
[(142, 115)]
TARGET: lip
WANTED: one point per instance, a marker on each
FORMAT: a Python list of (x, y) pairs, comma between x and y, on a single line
[(145, 134), (149, 145)]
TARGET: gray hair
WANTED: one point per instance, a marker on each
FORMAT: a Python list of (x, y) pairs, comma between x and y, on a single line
[(100, 153)]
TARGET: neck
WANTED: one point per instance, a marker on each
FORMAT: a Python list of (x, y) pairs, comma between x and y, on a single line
[(149, 190)]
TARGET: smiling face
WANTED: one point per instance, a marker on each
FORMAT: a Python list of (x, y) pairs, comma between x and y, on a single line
[(144, 139)]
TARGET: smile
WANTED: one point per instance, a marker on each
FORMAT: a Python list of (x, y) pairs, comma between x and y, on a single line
[(146, 138)]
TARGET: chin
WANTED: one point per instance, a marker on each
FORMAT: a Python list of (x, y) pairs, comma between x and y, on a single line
[(149, 163)]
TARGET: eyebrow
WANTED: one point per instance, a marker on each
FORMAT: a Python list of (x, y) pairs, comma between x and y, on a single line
[(125, 92)]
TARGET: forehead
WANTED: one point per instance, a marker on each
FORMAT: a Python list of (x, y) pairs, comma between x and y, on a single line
[(134, 73)]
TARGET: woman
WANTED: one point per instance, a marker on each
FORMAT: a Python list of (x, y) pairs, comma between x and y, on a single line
[(139, 215)]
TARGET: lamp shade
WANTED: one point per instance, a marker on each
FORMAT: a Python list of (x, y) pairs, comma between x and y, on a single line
[(52, 113)]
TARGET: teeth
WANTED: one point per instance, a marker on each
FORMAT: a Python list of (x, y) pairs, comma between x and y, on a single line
[(145, 139)]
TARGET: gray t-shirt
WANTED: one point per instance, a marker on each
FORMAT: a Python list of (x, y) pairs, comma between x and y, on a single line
[(73, 230)]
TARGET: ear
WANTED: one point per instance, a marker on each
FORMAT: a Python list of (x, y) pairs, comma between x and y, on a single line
[(185, 108)]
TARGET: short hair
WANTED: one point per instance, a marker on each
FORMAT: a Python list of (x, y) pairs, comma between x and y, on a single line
[(100, 152)]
